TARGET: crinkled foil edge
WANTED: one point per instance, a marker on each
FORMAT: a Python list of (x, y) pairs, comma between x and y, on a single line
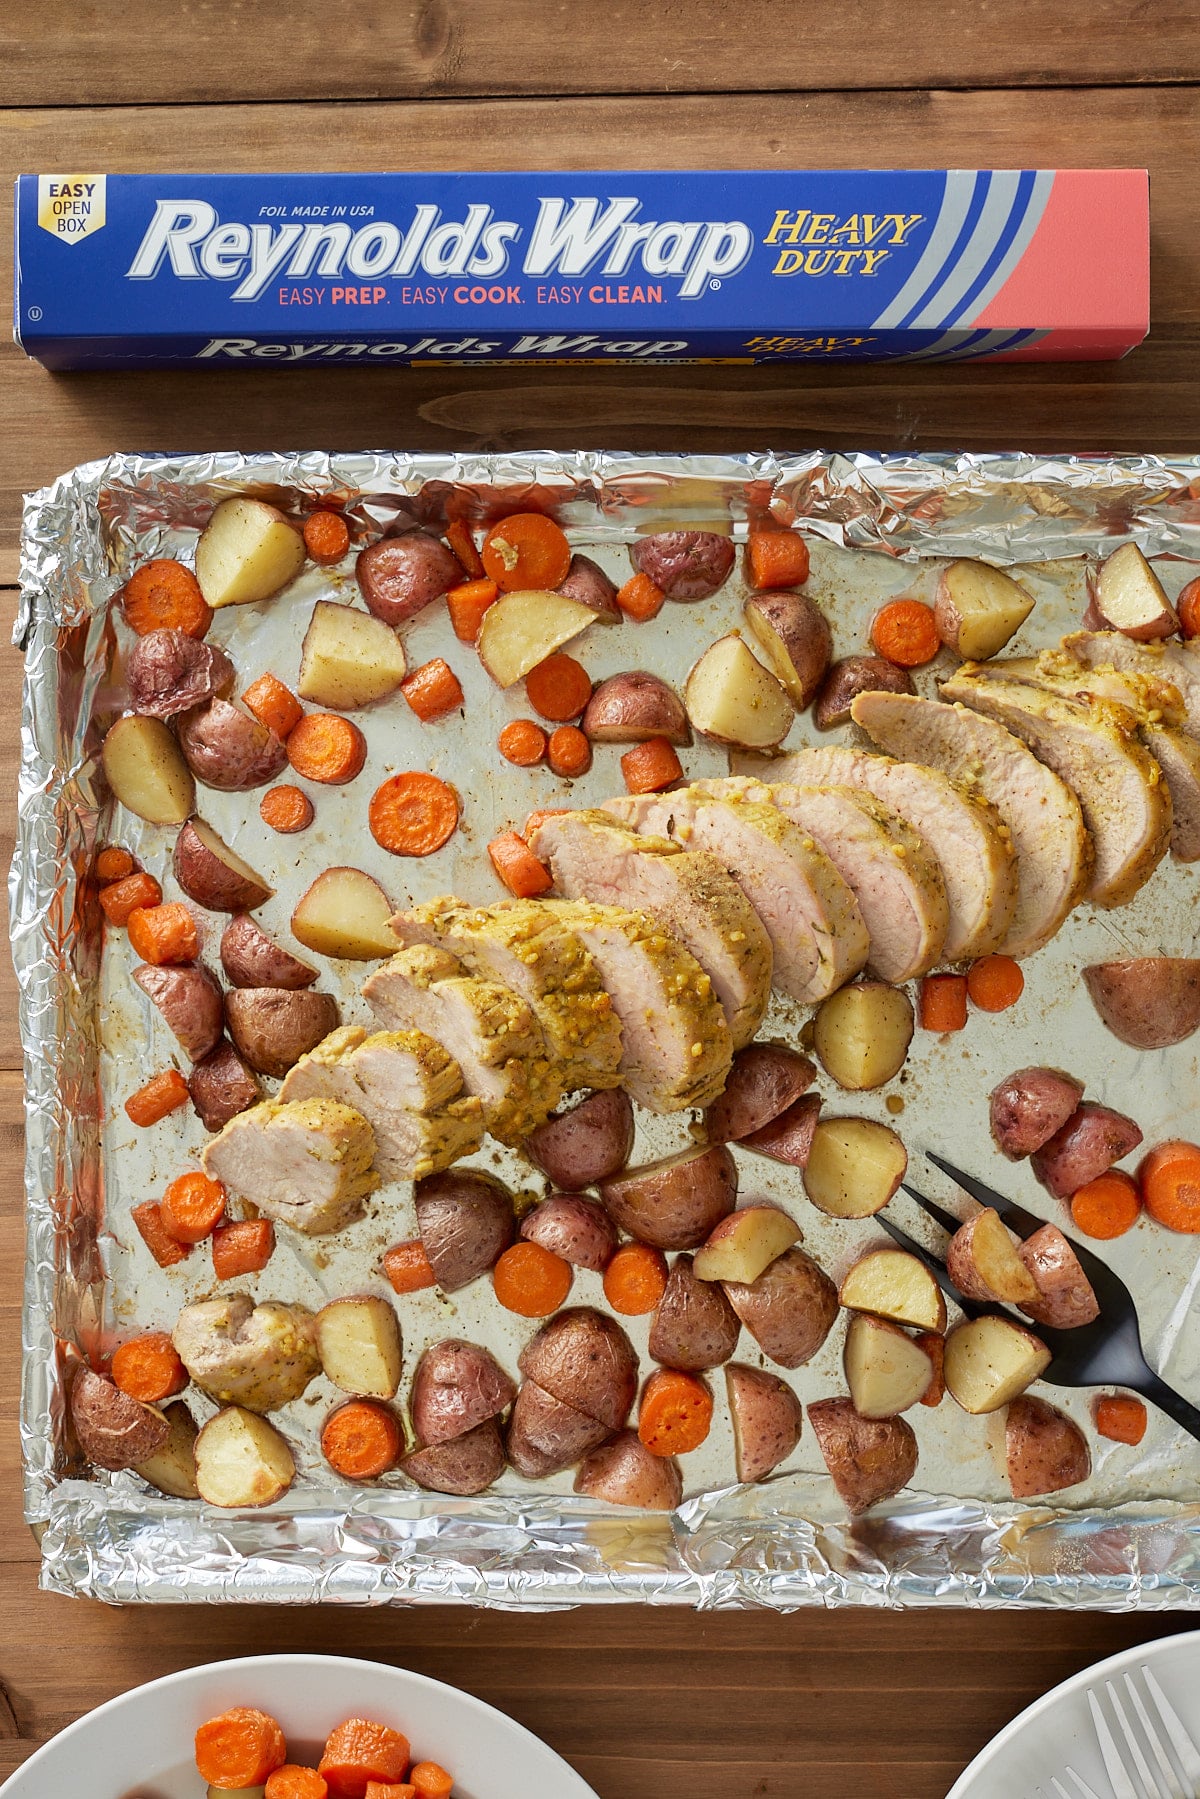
[(776, 1545)]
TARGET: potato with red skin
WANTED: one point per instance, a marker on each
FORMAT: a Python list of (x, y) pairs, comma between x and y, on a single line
[(694, 1327), (399, 576), (252, 959), (789, 1137), (794, 636), (168, 672), (273, 1027), (545, 1436), (189, 999), (1065, 1297), (764, 1080), (789, 1310), (466, 1221), (583, 1359), (114, 1430), (1029, 1106), (577, 1229), (685, 565), (676, 1202), (633, 707), (624, 1472), (848, 678), (767, 1420), (746, 1242), (588, 1143), (984, 1262), (457, 1385), (1044, 1449), (869, 1459), (587, 582), (221, 1086), (228, 748), (1150, 1002), (1092, 1139), (463, 1465), (212, 874)]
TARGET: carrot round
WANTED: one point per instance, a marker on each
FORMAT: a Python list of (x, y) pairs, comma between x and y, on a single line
[(413, 814), (569, 753), (1120, 1417), (192, 1206), (294, 1782), (360, 1751), (526, 550), (326, 747), (164, 935), (1108, 1206), (326, 536), (241, 1748), (531, 1281), (244, 1247), (161, 1094), (467, 605), (431, 1781), (649, 767), (518, 867), (943, 1005), (635, 1279), (362, 1440), (522, 742), (776, 559), (407, 1267), (286, 810), (120, 901), (386, 1789), (432, 690), (558, 688), (458, 536), (166, 1249), (640, 600), (113, 864), (676, 1411), (904, 632), (148, 1368), (1170, 1181), (163, 595), (994, 983), (273, 705), (1188, 608)]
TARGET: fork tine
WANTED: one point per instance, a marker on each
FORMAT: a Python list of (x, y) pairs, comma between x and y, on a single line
[(1082, 1789), (1019, 1220), (1185, 1749), (947, 1220), (1174, 1789), (1150, 1786), (1114, 1767)]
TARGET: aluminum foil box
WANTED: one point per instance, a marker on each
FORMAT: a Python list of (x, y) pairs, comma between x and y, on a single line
[(129, 271)]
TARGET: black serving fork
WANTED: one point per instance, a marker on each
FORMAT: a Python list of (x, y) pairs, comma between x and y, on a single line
[(1106, 1353)]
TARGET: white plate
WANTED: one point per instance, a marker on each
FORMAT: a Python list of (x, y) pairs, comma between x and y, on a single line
[(140, 1745), (1056, 1731)]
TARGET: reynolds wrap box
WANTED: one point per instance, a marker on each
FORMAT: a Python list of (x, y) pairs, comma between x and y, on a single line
[(137, 271)]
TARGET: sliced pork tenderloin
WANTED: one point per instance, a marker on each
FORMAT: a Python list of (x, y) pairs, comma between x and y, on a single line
[(307, 1163)]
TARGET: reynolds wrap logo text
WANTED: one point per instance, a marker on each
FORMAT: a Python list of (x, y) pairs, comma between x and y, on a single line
[(568, 238)]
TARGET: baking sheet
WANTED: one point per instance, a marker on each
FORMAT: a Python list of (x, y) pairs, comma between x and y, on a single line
[(878, 527)]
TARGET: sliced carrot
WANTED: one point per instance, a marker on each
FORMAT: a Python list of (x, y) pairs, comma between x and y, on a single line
[(531, 1281), (995, 983), (162, 1093), (362, 1440), (166, 1249), (1170, 1183), (1120, 1417), (943, 1002), (526, 550), (635, 1279), (413, 814), (164, 935), (459, 536), (192, 1206), (164, 596), (934, 1346), (148, 1368), (431, 1781), (558, 688), (1108, 1206), (468, 604), (1188, 608), (518, 867), (273, 705), (326, 747), (538, 817), (407, 1267), (113, 864), (676, 1412), (522, 742), (326, 536), (360, 1751), (776, 559), (649, 767), (241, 1748), (120, 901), (242, 1248), (294, 1782), (286, 810), (569, 753), (387, 1789), (432, 690), (904, 632), (640, 600)]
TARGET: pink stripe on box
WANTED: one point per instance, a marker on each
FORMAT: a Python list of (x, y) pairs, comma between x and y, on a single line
[(1087, 268)]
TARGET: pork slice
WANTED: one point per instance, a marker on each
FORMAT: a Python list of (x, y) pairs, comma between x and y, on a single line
[(407, 1088), (962, 831), (593, 857), (818, 938), (306, 1163), (1053, 849), (1176, 663), (1092, 745), (520, 945), (675, 1044)]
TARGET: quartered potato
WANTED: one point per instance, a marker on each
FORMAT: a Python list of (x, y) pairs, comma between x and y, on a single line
[(862, 1032), (212, 874), (886, 1370), (345, 913), (731, 697), (358, 1341), (1044, 1449), (977, 609), (1127, 596), (523, 628), (869, 1459), (172, 1466), (766, 1416), (145, 768), (854, 1166), (794, 636), (990, 1360), (242, 1461), (348, 658), (246, 552), (983, 1262), (893, 1284)]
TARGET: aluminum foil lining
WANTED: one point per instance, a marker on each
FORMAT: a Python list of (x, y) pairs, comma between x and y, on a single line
[(879, 526)]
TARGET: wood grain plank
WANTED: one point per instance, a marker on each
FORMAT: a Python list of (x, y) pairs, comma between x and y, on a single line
[(71, 54)]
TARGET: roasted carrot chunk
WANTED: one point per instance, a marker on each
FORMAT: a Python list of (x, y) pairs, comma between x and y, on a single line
[(432, 690), (429, 1781), (635, 1279), (904, 632), (413, 814), (123, 898), (1120, 1417), (162, 1093), (522, 742), (531, 1281), (569, 753), (113, 864), (558, 688), (994, 983), (166, 1249), (273, 705), (239, 1749), (1108, 1206), (649, 767), (675, 1415), (776, 559), (526, 550), (163, 595), (943, 1002), (148, 1368), (294, 1782), (407, 1267), (242, 1248), (286, 810), (458, 536), (518, 867), (361, 1440), (326, 536), (1170, 1182), (467, 604), (640, 600), (192, 1206), (164, 934), (326, 747)]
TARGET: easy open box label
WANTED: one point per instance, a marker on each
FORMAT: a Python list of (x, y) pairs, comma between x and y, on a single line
[(214, 270)]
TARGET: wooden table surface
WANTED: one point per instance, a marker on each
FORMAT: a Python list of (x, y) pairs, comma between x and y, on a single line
[(829, 1705)]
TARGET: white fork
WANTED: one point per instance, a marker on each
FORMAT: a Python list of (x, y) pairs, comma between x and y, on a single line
[(1129, 1770)]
